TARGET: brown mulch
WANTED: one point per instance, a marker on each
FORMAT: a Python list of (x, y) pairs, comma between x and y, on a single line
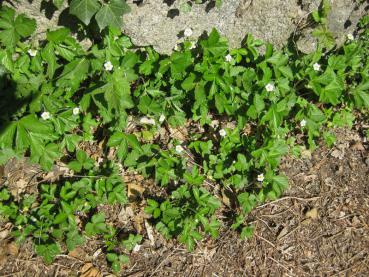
[(320, 227)]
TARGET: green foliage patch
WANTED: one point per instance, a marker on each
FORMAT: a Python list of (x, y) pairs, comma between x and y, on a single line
[(242, 108)]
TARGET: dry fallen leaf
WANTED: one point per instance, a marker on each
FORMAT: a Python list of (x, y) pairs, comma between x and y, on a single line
[(313, 213), (358, 146), (13, 249), (88, 270), (4, 234), (78, 253), (338, 154), (134, 190), (150, 233), (18, 188)]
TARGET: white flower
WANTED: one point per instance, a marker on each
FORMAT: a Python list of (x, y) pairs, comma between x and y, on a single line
[(228, 58), (45, 115), (32, 52), (222, 133), (176, 47), (179, 149), (108, 66), (350, 37), (260, 177), (193, 45), (116, 38), (76, 111), (188, 32), (303, 123), (214, 123), (161, 118), (316, 66), (146, 120), (269, 87)]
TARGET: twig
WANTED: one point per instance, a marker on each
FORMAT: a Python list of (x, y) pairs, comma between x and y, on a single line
[(267, 241), (278, 263)]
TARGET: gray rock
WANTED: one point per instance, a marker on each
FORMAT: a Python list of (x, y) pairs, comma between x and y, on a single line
[(270, 20), (265, 19)]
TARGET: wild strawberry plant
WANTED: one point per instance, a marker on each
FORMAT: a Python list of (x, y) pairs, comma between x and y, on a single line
[(241, 109)]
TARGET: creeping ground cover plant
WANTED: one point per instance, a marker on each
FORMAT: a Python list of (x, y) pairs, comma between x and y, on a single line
[(200, 123)]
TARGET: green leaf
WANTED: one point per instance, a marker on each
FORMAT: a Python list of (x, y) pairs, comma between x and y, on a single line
[(281, 181), (48, 54), (331, 93), (132, 241), (24, 26), (259, 103), (47, 251), (74, 239), (14, 29), (58, 3), (361, 95), (84, 9), (58, 36), (49, 154), (111, 14), (215, 45), (247, 232), (116, 266)]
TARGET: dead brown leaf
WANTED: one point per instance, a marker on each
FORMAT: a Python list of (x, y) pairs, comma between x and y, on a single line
[(358, 146), (78, 253), (12, 249), (134, 190), (313, 213), (88, 270)]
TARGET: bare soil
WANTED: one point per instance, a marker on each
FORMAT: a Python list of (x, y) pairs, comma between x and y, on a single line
[(320, 227)]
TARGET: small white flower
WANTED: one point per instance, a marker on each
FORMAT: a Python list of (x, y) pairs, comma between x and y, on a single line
[(146, 120), (76, 111), (228, 58), (193, 45), (176, 47), (350, 37), (32, 52), (108, 66), (316, 66), (45, 115), (269, 87), (260, 177), (188, 32), (161, 118), (222, 133), (179, 149), (303, 123), (116, 38), (214, 123)]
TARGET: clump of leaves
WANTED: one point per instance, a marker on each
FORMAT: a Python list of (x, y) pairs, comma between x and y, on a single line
[(247, 107)]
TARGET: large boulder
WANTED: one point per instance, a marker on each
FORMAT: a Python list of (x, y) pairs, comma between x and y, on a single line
[(160, 23)]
